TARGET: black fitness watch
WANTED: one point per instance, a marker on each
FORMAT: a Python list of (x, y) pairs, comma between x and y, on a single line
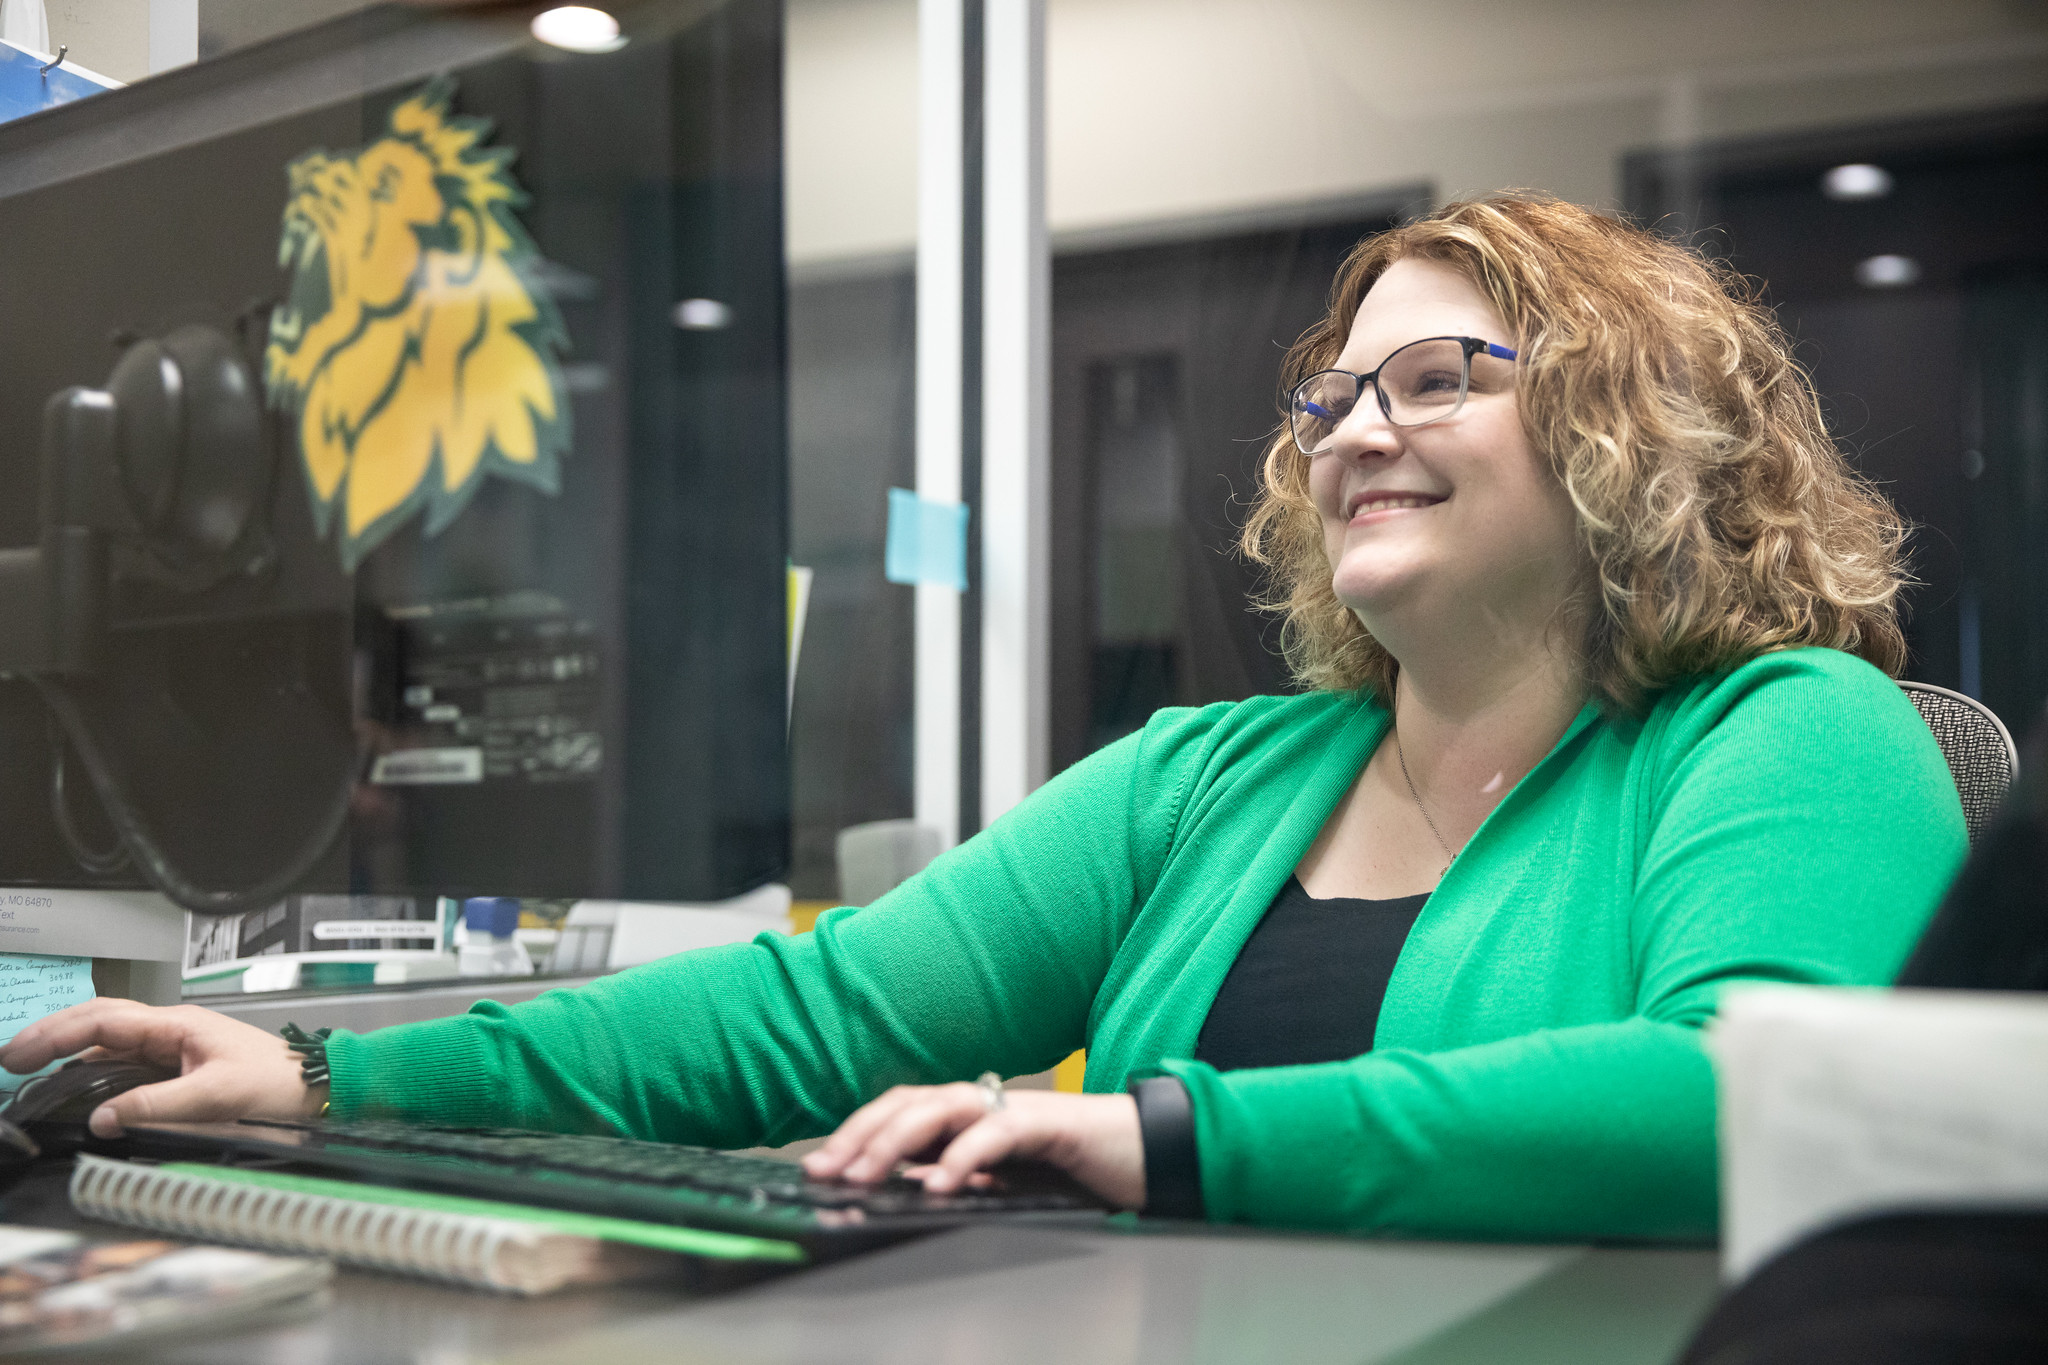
[(1173, 1167)]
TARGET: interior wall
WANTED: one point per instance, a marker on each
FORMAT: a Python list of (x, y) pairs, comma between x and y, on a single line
[(225, 25), (850, 128), (107, 36), (1164, 109), (129, 39)]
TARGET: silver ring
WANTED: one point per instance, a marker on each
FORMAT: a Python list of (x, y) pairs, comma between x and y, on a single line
[(991, 1091)]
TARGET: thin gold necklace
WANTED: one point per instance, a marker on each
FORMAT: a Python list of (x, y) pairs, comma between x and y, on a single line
[(1449, 856)]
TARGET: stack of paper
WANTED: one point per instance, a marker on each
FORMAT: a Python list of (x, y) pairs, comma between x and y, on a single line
[(1839, 1103)]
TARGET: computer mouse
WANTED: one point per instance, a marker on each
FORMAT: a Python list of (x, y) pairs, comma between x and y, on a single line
[(49, 1113)]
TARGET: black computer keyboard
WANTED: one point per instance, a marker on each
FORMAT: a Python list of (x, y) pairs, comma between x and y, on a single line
[(758, 1180)]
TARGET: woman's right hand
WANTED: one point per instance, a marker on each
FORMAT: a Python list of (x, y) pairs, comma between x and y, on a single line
[(228, 1069)]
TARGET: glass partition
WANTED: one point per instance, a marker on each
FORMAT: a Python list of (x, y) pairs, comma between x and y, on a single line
[(1208, 168), (1877, 166)]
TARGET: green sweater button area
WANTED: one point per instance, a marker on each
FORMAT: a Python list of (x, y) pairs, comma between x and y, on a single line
[(1539, 1070)]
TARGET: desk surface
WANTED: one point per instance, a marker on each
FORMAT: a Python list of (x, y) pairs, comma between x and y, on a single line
[(996, 1295)]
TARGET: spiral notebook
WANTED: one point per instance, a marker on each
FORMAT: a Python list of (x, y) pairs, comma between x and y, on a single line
[(511, 1248)]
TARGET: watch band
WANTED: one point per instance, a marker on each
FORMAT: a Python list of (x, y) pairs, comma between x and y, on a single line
[(1173, 1163)]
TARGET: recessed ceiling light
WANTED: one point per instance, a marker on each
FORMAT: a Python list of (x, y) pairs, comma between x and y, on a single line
[(1857, 180), (578, 28), (702, 315), (1887, 272)]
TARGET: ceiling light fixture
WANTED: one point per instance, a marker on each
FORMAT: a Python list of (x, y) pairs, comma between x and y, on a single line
[(1887, 272), (1857, 180), (578, 28), (701, 315)]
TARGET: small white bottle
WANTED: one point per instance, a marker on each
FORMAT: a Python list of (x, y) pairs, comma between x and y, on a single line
[(489, 948)]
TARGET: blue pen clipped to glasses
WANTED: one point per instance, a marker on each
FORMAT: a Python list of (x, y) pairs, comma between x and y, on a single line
[(1423, 382)]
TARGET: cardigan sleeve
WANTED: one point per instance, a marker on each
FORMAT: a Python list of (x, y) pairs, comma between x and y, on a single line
[(1801, 825), (989, 959)]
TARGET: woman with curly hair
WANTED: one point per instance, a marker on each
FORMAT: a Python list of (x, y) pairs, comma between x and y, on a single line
[(1595, 627)]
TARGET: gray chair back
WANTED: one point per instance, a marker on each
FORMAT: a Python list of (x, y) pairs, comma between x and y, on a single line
[(1981, 755)]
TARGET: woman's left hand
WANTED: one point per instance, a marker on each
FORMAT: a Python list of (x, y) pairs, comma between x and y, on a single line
[(1094, 1138)]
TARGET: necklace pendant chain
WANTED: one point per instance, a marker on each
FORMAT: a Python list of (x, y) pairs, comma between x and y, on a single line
[(1450, 856)]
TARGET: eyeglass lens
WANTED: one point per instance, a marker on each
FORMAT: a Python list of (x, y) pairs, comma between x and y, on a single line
[(1425, 381)]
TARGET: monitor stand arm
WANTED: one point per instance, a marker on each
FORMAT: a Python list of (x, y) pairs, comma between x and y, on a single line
[(53, 595), (170, 456), (53, 603)]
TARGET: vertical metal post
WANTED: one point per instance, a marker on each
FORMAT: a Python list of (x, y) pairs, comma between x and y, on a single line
[(940, 296), (983, 406), (973, 147), (1016, 493), (173, 34)]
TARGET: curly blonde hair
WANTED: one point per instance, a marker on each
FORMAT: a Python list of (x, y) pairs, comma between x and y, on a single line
[(1717, 518)]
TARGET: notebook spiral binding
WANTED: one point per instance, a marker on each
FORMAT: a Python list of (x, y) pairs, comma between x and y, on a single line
[(454, 1248)]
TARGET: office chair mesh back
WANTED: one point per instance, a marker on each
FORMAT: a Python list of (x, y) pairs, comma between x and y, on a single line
[(1980, 753)]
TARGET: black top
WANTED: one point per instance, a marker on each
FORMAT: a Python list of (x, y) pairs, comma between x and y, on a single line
[(1308, 984), (1306, 987)]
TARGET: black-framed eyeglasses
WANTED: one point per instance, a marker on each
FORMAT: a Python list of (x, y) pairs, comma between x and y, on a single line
[(1423, 382)]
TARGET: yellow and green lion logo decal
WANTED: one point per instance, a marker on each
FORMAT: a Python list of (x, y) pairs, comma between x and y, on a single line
[(415, 348)]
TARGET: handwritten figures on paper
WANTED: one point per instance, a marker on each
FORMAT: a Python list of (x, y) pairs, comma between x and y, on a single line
[(416, 348), (33, 985)]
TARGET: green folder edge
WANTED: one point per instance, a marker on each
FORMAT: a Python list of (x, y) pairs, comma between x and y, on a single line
[(725, 1246)]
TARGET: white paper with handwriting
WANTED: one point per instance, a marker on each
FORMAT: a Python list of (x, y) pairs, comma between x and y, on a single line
[(32, 986)]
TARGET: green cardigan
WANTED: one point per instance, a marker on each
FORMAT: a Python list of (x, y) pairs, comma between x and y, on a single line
[(1538, 1071)]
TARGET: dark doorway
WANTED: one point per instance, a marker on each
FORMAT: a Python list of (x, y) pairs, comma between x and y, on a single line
[(1918, 296), (852, 384), (1166, 363)]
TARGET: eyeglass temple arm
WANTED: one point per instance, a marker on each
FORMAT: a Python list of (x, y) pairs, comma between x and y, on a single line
[(1497, 352)]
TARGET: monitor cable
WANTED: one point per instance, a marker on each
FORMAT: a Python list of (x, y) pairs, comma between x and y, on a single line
[(94, 861), (141, 847)]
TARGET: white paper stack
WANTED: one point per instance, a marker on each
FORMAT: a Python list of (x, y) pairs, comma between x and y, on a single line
[(1837, 1103), (644, 932)]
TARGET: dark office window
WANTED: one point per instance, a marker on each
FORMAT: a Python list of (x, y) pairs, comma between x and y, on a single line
[(852, 370), (1166, 365), (2004, 602), (1920, 312), (1138, 534)]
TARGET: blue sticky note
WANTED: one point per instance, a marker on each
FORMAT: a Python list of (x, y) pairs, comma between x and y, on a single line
[(927, 541), (32, 986)]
